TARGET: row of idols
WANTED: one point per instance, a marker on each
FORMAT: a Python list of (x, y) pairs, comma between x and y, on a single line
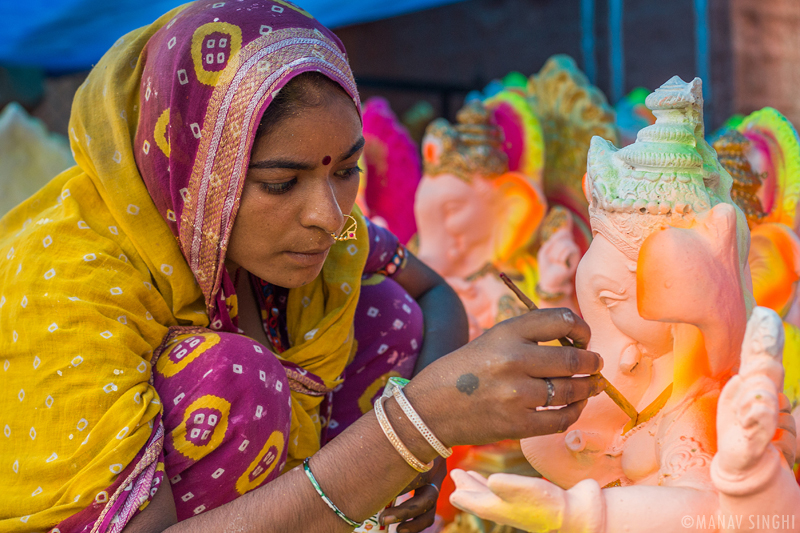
[(683, 257)]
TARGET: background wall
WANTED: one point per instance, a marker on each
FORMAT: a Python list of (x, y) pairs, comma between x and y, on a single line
[(469, 43), (747, 51), (766, 47)]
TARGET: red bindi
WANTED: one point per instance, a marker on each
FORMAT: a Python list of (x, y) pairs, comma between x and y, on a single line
[(326, 160)]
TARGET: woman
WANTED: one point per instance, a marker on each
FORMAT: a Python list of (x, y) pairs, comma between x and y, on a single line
[(180, 303)]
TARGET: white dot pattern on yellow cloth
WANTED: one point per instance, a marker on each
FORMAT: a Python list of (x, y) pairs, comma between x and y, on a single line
[(75, 349)]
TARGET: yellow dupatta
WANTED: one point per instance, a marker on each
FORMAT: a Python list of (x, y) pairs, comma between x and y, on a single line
[(94, 281)]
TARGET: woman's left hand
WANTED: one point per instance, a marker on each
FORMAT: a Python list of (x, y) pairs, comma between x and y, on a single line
[(418, 512)]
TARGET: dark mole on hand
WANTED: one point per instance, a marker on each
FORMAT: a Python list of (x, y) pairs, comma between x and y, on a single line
[(467, 383)]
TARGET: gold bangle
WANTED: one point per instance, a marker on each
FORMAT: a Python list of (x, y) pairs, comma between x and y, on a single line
[(404, 452)]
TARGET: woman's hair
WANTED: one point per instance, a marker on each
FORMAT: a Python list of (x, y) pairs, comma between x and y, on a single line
[(309, 89)]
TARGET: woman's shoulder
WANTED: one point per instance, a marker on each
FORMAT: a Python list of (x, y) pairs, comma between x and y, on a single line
[(66, 259), (79, 320)]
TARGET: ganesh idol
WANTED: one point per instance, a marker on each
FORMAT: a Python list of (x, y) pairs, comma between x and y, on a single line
[(666, 289), (476, 218)]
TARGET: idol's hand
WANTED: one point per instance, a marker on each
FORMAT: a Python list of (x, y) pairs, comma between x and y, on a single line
[(751, 412), (529, 503), (490, 389), (786, 436), (558, 260), (418, 512), (746, 421)]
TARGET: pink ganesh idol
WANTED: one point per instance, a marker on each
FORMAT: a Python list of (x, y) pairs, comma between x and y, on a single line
[(476, 218), (489, 179), (665, 287)]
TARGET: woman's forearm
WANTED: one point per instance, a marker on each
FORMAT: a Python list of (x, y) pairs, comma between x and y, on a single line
[(445, 324), (486, 392), (360, 471)]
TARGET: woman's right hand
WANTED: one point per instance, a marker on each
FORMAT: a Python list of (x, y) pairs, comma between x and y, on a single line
[(490, 389)]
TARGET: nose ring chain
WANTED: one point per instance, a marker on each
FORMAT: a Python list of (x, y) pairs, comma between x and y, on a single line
[(349, 231)]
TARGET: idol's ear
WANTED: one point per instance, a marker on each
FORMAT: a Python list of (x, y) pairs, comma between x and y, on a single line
[(523, 140), (691, 276), (520, 209), (774, 261), (775, 151), (393, 169)]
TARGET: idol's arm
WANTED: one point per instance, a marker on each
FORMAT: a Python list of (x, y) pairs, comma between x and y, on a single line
[(445, 321), (536, 505)]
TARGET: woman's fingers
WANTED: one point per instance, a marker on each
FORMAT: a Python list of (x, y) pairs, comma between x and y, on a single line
[(558, 361), (420, 523), (550, 421), (545, 325), (423, 501)]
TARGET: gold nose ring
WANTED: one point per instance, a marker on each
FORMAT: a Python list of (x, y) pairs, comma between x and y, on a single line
[(349, 232)]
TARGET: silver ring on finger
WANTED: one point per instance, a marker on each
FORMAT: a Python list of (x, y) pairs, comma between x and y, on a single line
[(551, 392), (435, 487)]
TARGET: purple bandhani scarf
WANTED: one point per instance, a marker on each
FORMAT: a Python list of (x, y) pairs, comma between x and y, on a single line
[(209, 75)]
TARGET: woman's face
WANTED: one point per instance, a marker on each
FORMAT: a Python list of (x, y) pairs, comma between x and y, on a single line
[(302, 180)]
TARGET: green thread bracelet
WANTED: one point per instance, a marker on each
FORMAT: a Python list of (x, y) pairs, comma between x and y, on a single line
[(325, 498)]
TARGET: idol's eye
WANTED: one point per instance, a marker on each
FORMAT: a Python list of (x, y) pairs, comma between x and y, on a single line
[(452, 206), (610, 299), (278, 188), (348, 173)]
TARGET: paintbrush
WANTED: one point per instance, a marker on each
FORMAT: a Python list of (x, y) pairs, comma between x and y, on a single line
[(609, 389)]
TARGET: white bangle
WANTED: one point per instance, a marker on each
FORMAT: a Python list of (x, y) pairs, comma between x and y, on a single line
[(424, 430)]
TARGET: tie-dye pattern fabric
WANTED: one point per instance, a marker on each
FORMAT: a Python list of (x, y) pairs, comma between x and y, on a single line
[(227, 413), (226, 398)]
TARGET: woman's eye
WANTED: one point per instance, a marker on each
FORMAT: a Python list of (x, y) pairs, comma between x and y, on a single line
[(278, 188), (348, 173)]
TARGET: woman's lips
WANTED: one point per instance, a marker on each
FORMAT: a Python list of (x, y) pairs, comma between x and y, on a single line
[(308, 259)]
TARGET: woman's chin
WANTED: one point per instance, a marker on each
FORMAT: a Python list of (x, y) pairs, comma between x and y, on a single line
[(296, 277), (285, 271)]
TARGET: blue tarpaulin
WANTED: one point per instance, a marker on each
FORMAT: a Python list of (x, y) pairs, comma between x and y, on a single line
[(70, 35)]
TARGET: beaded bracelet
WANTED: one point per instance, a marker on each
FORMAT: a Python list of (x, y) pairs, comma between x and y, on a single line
[(401, 448), (324, 497)]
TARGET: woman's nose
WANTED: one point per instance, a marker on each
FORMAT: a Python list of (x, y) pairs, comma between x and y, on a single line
[(322, 208)]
